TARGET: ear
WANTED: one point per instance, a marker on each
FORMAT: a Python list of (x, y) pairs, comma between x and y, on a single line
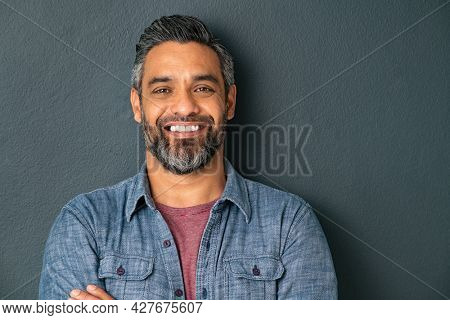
[(135, 105), (231, 99)]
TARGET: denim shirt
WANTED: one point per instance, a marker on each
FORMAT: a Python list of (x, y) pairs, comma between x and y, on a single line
[(259, 243)]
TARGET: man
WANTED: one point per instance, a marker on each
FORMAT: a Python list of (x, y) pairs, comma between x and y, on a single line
[(187, 226)]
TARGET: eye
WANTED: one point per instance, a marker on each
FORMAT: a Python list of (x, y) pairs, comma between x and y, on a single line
[(204, 89), (161, 91)]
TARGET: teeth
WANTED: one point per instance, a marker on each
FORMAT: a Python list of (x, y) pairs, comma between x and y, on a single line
[(184, 128)]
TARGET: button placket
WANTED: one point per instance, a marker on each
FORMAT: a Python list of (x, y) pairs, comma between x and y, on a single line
[(212, 225), (179, 294), (170, 258), (167, 243)]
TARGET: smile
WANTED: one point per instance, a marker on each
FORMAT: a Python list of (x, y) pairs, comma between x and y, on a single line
[(185, 130)]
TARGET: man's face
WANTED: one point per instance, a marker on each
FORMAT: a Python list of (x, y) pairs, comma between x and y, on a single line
[(183, 108)]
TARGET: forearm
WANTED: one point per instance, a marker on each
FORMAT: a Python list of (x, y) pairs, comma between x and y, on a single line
[(70, 258)]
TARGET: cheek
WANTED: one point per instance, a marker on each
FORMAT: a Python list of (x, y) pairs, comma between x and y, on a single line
[(215, 111), (152, 115), (221, 117)]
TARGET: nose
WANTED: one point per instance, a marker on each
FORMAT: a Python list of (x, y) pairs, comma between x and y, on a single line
[(185, 105)]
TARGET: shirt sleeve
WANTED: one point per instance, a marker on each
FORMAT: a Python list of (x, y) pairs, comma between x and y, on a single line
[(70, 257), (309, 270)]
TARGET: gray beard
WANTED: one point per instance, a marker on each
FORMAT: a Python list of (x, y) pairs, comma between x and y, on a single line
[(184, 155)]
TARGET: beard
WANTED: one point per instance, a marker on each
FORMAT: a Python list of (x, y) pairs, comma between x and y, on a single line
[(183, 155)]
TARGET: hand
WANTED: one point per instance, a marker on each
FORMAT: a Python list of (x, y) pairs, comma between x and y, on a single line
[(92, 293)]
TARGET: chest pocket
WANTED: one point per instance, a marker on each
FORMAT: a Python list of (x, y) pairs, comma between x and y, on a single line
[(252, 277), (125, 275)]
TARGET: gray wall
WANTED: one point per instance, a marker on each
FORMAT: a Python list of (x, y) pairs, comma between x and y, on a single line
[(371, 78)]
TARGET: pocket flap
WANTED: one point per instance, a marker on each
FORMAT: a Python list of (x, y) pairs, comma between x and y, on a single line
[(125, 267), (255, 268)]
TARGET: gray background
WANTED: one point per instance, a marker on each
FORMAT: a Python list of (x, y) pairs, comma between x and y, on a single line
[(370, 77)]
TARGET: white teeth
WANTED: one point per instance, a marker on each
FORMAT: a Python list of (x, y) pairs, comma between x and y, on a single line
[(183, 128)]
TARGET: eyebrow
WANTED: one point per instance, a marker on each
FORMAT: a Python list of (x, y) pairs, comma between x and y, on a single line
[(198, 77), (159, 79), (206, 77)]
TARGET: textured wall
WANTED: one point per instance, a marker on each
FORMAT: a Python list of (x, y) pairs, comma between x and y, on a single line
[(371, 78)]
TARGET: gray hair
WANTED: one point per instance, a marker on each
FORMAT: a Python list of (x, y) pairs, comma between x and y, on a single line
[(181, 29)]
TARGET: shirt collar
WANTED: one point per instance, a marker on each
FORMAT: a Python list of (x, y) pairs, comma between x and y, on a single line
[(235, 191)]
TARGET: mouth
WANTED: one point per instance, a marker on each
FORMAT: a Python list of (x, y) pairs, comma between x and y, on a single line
[(185, 130)]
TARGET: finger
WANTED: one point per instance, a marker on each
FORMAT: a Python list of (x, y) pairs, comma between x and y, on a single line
[(98, 292), (78, 294)]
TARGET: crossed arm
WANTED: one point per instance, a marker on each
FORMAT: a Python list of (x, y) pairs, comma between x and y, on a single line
[(71, 261), (92, 293)]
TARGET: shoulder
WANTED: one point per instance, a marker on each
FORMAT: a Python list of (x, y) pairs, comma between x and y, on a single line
[(262, 192), (102, 203), (263, 197)]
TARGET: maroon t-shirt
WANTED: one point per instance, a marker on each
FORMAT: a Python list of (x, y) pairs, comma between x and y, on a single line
[(187, 225)]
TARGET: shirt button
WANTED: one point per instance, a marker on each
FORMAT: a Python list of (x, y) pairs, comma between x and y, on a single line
[(166, 243), (256, 271), (204, 293), (178, 292), (120, 271)]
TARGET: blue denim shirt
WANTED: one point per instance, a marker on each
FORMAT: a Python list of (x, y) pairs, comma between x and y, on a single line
[(259, 243)]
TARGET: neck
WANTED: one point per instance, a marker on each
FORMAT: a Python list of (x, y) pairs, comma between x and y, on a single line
[(187, 190)]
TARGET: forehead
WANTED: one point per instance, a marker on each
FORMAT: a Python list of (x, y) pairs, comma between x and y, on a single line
[(175, 59)]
